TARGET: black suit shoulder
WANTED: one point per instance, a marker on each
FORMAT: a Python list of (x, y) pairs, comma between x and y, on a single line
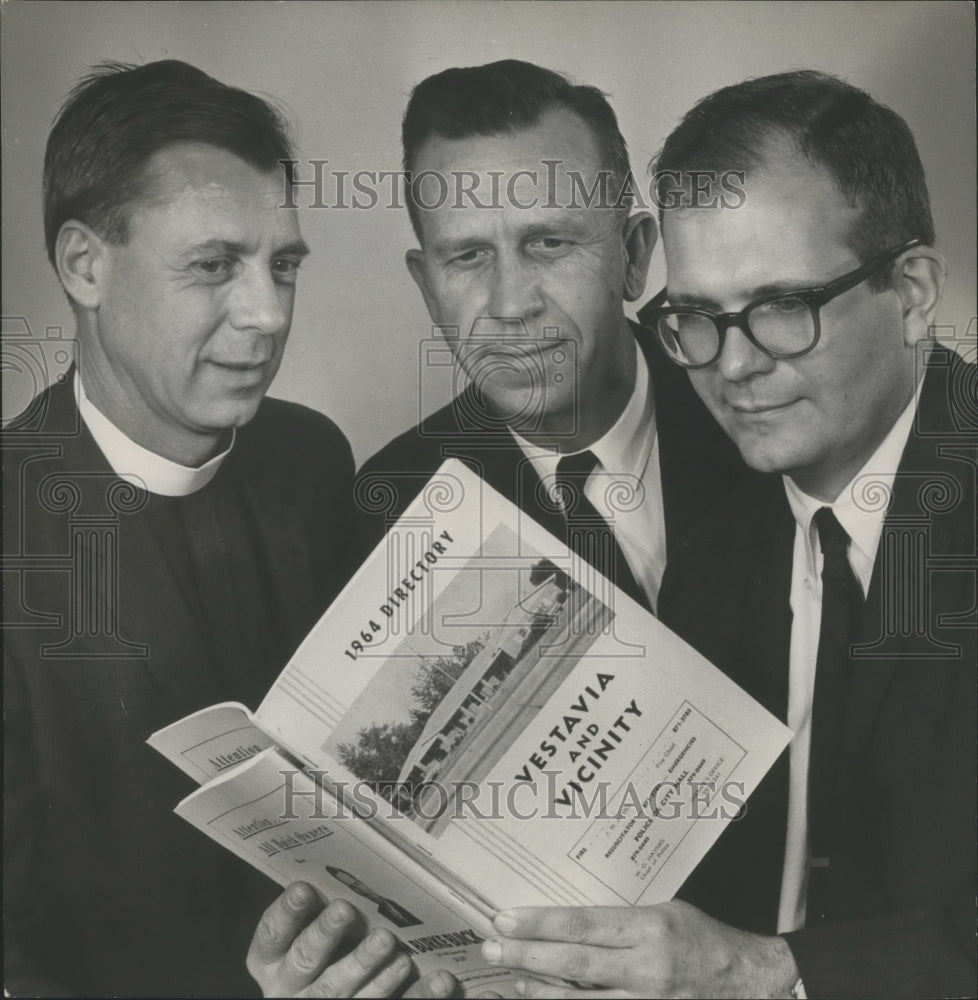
[(422, 448), (290, 433), (276, 415), (302, 457), (390, 480)]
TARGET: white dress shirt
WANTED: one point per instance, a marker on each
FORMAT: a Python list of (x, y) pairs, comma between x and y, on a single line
[(860, 509), (627, 455), (136, 464)]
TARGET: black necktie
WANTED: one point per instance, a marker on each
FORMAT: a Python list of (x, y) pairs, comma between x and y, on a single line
[(588, 534), (842, 598)]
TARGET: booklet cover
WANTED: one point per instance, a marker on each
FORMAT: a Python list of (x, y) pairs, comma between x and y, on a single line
[(480, 720)]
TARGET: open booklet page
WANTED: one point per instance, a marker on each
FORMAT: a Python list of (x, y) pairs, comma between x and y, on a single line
[(490, 701), (211, 741), (313, 839)]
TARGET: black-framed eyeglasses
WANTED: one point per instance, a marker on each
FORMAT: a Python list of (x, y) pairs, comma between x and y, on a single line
[(782, 325)]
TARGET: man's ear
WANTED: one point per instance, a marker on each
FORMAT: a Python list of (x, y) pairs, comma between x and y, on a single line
[(918, 279), (416, 266), (80, 259), (640, 235)]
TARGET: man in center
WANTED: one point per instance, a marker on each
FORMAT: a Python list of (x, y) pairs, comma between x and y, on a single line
[(518, 189), (517, 185)]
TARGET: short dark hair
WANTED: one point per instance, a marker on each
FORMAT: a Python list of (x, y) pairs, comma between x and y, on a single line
[(502, 97), (120, 115), (866, 147)]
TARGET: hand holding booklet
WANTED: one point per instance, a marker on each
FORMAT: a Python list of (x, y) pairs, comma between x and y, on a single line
[(479, 721)]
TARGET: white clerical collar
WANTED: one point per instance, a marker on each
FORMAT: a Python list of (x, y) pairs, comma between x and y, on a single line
[(861, 506), (623, 449), (136, 464)]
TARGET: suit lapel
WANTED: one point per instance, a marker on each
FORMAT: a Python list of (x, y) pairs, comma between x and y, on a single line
[(765, 643), (913, 533), (768, 587)]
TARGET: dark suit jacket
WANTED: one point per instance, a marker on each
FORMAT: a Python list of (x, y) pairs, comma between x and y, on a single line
[(105, 890), (697, 461), (898, 918)]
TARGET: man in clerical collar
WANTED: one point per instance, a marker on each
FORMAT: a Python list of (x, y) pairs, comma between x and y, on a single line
[(169, 533)]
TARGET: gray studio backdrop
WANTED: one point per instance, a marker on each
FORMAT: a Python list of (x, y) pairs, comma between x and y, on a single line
[(344, 72)]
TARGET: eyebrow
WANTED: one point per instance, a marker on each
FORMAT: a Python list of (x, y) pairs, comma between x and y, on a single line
[(296, 248), (444, 248), (758, 292), (532, 230)]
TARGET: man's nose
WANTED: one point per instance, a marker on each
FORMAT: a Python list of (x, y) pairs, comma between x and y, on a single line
[(741, 357), (515, 290), (259, 304)]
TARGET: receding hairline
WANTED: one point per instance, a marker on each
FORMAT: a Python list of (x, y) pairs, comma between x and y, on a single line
[(154, 187), (153, 172), (556, 109), (779, 151)]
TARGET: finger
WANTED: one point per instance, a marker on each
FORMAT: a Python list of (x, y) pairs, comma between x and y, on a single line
[(280, 924), (389, 979), (436, 985), (349, 975), (315, 947), (582, 963), (606, 926), (549, 991)]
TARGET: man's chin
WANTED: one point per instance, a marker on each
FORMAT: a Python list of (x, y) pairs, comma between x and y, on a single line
[(229, 414), (764, 454), (506, 392), (527, 410)]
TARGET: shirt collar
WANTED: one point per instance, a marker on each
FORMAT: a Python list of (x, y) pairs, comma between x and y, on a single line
[(625, 447), (858, 507), (137, 465)]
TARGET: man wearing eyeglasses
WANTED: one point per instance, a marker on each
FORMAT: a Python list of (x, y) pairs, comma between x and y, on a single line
[(843, 597)]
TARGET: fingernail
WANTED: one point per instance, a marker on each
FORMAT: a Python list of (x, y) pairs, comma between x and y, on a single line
[(335, 916), (377, 944), (521, 986), (297, 896), (505, 922), (441, 984), (492, 951), (400, 965)]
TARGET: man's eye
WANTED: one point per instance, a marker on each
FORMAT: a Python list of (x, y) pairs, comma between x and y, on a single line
[(784, 307), (550, 244), (470, 257), (214, 268), (286, 269)]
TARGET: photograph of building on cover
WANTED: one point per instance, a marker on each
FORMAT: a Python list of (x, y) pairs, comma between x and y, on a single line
[(445, 707)]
